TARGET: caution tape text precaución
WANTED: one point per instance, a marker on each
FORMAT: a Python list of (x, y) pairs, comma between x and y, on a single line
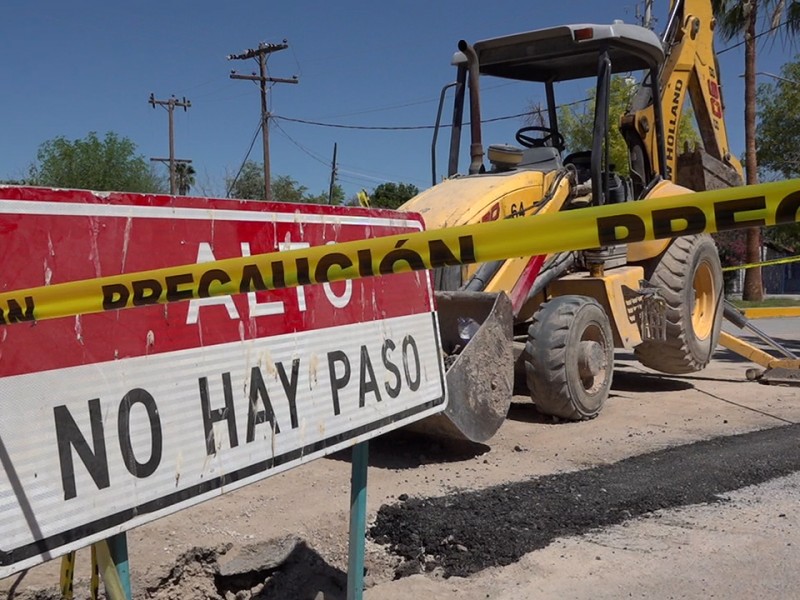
[(751, 206)]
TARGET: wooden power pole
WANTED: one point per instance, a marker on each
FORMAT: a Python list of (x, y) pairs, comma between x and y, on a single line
[(260, 55), (170, 105), (334, 170)]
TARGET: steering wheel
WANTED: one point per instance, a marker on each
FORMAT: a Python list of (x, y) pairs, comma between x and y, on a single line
[(556, 139)]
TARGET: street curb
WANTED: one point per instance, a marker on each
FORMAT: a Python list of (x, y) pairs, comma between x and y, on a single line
[(771, 312)]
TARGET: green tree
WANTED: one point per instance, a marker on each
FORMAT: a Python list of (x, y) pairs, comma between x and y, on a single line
[(778, 141), (184, 177), (110, 164), (392, 195), (248, 184), (740, 18), (577, 125), (324, 197), (286, 189)]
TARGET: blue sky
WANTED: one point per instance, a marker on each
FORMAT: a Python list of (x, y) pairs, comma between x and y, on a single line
[(73, 67)]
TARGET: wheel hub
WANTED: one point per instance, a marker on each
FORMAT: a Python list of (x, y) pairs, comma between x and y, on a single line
[(591, 363)]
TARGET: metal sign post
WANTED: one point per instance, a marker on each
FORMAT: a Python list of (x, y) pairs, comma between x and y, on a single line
[(358, 522)]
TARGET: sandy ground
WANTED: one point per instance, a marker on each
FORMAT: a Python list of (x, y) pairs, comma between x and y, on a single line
[(745, 548)]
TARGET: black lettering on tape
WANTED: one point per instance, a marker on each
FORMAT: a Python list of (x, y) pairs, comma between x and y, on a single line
[(136, 468), (68, 436), (366, 380), (413, 384), (175, 294), (683, 220), (338, 383), (218, 414), (252, 281), (725, 212), (278, 275), (392, 390), (290, 387), (258, 389), (466, 249), (146, 291), (209, 277), (15, 314), (398, 255), (326, 262), (115, 295), (365, 263), (607, 228), (303, 271), (442, 256), (788, 210)]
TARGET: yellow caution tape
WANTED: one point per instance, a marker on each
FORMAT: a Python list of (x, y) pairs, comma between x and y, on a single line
[(67, 576), (662, 218), (766, 263)]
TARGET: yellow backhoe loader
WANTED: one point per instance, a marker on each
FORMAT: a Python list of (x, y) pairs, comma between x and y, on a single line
[(564, 314)]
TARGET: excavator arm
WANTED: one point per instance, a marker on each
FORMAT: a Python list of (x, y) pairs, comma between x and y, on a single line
[(690, 68)]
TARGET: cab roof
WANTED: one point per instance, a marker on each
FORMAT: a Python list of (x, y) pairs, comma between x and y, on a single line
[(569, 52)]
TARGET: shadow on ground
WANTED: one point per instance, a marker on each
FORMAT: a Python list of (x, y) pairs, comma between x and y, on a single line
[(403, 449)]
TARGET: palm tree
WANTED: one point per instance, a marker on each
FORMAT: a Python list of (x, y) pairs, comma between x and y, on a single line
[(184, 174), (740, 17)]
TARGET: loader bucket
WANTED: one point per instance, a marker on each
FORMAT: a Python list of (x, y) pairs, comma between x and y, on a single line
[(699, 171), (480, 373)]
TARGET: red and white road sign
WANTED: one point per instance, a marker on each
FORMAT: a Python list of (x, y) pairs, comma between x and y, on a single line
[(111, 420)]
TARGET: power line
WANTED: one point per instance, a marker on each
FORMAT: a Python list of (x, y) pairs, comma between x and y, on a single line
[(768, 31), (385, 127), (408, 127), (246, 156)]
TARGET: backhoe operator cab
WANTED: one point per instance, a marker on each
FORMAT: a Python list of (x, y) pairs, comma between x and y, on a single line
[(549, 56)]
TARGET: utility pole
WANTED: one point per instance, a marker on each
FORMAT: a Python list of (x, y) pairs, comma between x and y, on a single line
[(260, 54), (333, 176), (170, 105)]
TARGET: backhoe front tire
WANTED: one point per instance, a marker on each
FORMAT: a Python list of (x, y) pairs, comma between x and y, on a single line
[(569, 358), (689, 277)]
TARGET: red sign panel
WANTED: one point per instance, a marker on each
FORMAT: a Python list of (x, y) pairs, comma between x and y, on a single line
[(116, 418)]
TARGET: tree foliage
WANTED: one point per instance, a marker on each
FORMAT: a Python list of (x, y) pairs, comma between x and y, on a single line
[(392, 195), (249, 185), (740, 18), (110, 164), (577, 125), (184, 177), (778, 140)]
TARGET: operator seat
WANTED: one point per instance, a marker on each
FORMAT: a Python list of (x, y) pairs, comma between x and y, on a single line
[(542, 158)]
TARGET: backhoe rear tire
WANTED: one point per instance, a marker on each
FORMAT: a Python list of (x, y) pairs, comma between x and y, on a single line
[(689, 277), (569, 358)]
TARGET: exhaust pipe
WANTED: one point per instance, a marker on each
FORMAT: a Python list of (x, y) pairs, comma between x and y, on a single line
[(476, 145)]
